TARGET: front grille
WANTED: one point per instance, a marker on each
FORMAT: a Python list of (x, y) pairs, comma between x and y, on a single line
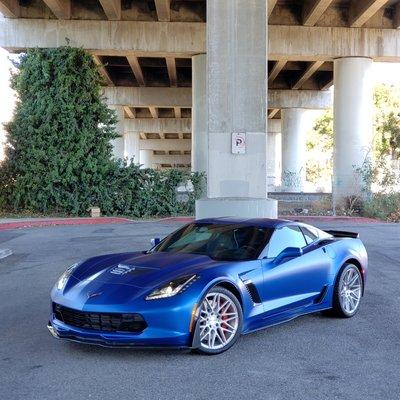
[(109, 322)]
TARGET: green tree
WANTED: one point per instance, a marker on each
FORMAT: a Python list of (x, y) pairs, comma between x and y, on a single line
[(387, 121), (58, 155), (58, 152), (320, 149)]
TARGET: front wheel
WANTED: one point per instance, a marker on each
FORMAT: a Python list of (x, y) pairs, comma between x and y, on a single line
[(348, 292), (220, 321)]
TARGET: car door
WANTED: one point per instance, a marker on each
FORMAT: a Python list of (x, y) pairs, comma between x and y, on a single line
[(295, 282)]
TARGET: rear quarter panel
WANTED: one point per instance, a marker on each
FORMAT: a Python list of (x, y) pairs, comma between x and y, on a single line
[(347, 250)]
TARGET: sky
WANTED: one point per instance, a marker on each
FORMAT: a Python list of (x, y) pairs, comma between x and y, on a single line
[(388, 73)]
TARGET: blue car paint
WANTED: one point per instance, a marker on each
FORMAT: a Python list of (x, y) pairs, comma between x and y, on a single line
[(286, 290)]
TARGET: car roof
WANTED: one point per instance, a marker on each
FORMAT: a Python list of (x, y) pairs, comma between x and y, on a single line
[(260, 222)]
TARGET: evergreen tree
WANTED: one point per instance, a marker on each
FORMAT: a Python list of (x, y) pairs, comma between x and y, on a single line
[(58, 156)]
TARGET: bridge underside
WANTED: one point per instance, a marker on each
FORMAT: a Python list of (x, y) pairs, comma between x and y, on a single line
[(184, 75)]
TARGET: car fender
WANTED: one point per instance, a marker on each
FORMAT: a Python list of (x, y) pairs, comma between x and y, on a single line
[(346, 251), (212, 283)]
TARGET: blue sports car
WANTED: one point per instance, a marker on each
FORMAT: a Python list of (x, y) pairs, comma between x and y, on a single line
[(209, 282)]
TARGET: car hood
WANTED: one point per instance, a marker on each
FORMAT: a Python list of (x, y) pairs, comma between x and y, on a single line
[(140, 269)]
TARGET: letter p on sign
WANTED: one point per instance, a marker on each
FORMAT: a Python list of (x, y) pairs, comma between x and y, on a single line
[(238, 143)]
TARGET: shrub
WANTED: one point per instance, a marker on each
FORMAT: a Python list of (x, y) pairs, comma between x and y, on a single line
[(385, 206), (58, 154)]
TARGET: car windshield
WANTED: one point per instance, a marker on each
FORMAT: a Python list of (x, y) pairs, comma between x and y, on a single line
[(225, 242)]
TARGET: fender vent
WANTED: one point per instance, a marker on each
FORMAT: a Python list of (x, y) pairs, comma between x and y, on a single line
[(253, 292), (321, 296)]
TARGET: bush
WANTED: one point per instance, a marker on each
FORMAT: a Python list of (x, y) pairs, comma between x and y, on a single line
[(58, 154), (385, 206), (147, 192), (381, 197)]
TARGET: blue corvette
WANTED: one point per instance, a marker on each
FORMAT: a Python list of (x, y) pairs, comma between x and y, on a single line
[(209, 282)]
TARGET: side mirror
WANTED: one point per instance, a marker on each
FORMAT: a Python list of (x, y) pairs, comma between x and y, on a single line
[(155, 241), (289, 252)]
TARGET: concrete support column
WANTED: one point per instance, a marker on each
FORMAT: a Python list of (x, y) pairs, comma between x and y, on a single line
[(147, 158), (353, 123), (274, 154), (132, 149), (118, 143), (295, 123), (237, 98), (199, 114)]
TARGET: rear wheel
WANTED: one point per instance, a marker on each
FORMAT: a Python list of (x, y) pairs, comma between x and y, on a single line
[(220, 321), (348, 292)]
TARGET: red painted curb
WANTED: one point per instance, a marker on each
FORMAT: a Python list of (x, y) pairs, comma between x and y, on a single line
[(301, 218), (57, 222), (328, 218)]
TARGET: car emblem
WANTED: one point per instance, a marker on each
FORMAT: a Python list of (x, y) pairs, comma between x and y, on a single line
[(90, 295), (122, 269)]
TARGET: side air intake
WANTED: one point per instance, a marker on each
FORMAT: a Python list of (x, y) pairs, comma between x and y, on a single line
[(253, 292)]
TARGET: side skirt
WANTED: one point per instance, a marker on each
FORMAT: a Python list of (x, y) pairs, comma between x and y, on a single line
[(286, 317)]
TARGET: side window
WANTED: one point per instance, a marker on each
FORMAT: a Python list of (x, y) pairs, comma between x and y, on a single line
[(288, 236), (309, 235)]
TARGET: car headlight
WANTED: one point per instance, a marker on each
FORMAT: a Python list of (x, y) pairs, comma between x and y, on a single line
[(173, 288), (63, 279)]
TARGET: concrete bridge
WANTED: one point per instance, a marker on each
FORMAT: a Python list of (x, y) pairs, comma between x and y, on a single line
[(190, 78)]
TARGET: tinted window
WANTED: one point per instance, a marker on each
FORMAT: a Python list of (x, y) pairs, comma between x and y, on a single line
[(218, 241), (309, 235), (288, 236)]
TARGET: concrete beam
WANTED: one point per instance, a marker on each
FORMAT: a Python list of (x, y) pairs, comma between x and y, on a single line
[(171, 159), (182, 97), (103, 71), (361, 11), (159, 125), (313, 10), (166, 144), (10, 8), (60, 8), (293, 43), (271, 6), (130, 112), (137, 70), (396, 17), (327, 85), (163, 8), (153, 112), (303, 43), (308, 73), (149, 96), (171, 66), (112, 8), (276, 69), (311, 99), (178, 112), (159, 39), (272, 113)]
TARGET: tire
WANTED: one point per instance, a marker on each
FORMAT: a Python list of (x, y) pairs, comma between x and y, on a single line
[(217, 332), (343, 290)]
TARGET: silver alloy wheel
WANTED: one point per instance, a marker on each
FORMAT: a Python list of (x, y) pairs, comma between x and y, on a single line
[(219, 320), (350, 290)]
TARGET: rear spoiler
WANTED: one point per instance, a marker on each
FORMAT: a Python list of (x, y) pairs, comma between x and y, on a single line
[(343, 234)]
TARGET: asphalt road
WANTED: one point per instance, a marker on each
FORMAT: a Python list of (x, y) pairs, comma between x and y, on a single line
[(312, 357)]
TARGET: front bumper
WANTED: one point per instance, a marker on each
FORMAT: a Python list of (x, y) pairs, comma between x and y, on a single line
[(148, 338)]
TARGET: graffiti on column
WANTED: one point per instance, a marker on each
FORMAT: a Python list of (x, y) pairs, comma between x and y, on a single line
[(291, 180)]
